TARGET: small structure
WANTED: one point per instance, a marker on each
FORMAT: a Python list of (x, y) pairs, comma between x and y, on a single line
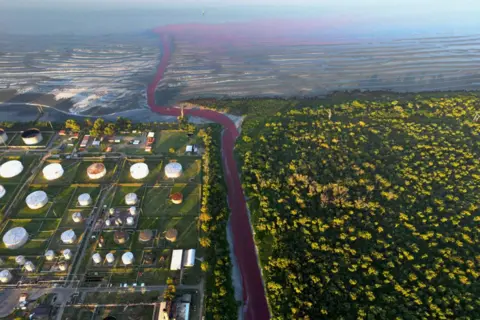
[(130, 221), (49, 255), (111, 211), (96, 171), (11, 169), (176, 263), (97, 258), (189, 259), (32, 136), (5, 276), (53, 171), (139, 170), (173, 170), (20, 260), (110, 257), (131, 199), (182, 311), (3, 136), (42, 311), (145, 236), (177, 198), (63, 266), (120, 237), (118, 222), (133, 211), (108, 223), (37, 199), (68, 237), (171, 235), (77, 217), (127, 258), (3, 191), (67, 254), (15, 238), (29, 266), (84, 200)]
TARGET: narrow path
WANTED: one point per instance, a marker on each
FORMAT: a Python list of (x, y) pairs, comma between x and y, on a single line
[(255, 303)]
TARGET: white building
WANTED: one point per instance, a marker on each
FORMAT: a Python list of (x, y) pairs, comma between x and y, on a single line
[(176, 263)]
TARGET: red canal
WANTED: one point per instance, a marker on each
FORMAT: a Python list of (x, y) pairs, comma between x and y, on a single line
[(255, 303)]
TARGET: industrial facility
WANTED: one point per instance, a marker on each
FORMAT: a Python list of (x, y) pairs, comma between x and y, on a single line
[(32, 136), (173, 170)]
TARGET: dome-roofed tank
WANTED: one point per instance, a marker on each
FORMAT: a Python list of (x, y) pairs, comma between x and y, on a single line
[(131, 199), (32, 136), (130, 221), (110, 257), (127, 258), (120, 237), (29, 266), (77, 217), (171, 235), (63, 266), (177, 198), (15, 238), (67, 254), (5, 276), (97, 258), (139, 170), (68, 237), (108, 223), (96, 171), (84, 200), (145, 235), (36, 200), (49, 255), (173, 170), (3, 191), (20, 260), (53, 171), (133, 211), (11, 169)]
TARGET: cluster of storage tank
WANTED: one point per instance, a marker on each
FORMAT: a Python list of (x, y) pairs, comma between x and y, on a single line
[(127, 258)]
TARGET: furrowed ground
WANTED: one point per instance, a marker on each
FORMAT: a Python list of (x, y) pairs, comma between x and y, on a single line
[(368, 209)]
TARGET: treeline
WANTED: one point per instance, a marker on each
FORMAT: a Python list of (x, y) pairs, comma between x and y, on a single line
[(219, 292), (368, 209)]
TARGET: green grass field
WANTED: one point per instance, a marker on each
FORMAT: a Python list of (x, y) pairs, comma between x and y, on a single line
[(167, 139), (157, 202)]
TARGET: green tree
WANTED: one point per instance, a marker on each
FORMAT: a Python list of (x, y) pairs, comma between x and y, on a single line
[(72, 125), (109, 129)]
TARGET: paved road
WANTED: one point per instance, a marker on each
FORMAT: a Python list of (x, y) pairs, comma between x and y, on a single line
[(255, 303)]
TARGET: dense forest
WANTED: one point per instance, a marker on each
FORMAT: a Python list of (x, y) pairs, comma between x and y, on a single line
[(368, 209)]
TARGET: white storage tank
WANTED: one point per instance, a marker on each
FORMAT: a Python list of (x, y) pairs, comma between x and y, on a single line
[(97, 258), (139, 171), (133, 211), (173, 170), (5, 276), (2, 191), (131, 199), (62, 266), (130, 221), (127, 258), (37, 199), (53, 171), (84, 200), (110, 257), (15, 238), (29, 266), (118, 221), (108, 223), (67, 254), (96, 171), (32, 136), (68, 237), (11, 169), (189, 259), (3, 136), (20, 260), (49, 255), (111, 211), (77, 217)]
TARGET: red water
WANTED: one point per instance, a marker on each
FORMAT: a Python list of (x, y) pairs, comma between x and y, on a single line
[(255, 303)]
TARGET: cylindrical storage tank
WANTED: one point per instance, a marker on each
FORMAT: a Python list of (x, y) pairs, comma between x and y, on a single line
[(49, 255), (11, 169), (63, 266), (189, 258), (2, 191), (145, 236), (29, 266), (120, 237), (20, 260), (130, 221), (15, 238), (68, 237), (77, 217), (110, 257), (84, 200), (5, 276), (32, 136), (67, 254), (139, 171), (127, 258), (171, 235), (97, 258), (96, 171), (133, 211), (118, 221), (53, 171), (108, 223), (3, 136), (37, 199), (173, 170), (131, 199), (111, 211), (177, 198)]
